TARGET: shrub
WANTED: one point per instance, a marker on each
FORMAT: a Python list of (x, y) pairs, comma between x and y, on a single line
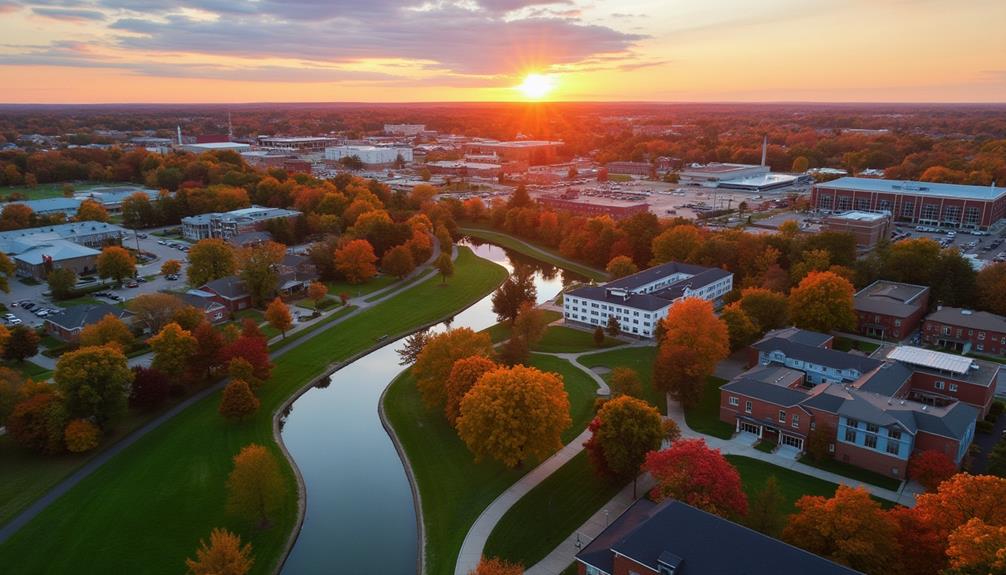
[(985, 426), (81, 435)]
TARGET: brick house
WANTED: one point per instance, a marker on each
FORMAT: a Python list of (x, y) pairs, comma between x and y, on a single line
[(213, 310), (880, 410), (229, 291), (66, 325), (965, 331), (890, 310), (674, 538)]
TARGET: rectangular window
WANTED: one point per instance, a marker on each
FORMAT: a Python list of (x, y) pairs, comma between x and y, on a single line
[(850, 435), (892, 447), (871, 441), (782, 416), (953, 387), (872, 427), (734, 401), (795, 420), (747, 407), (894, 433), (939, 385), (851, 423)]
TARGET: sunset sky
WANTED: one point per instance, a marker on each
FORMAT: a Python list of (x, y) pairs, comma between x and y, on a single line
[(85, 51)]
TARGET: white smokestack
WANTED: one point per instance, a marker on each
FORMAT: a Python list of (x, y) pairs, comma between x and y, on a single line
[(179, 135), (764, 149)]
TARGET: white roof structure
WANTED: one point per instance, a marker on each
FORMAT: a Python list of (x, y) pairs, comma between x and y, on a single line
[(931, 359)]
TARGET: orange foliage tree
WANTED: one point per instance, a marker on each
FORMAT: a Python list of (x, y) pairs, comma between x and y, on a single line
[(278, 316), (977, 547), (355, 261), (514, 414), (434, 363), (223, 555), (255, 486), (691, 472), (496, 566), (81, 435), (173, 348), (849, 528), (990, 281), (237, 401), (107, 330), (694, 341), (823, 302), (464, 374), (317, 291)]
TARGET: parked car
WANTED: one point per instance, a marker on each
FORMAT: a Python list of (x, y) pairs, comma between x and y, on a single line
[(142, 280), (15, 321), (9, 316), (171, 277), (28, 305), (133, 284)]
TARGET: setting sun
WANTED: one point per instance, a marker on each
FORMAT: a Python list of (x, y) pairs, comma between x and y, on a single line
[(537, 86)]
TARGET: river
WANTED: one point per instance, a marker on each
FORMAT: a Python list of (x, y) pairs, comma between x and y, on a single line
[(360, 514)]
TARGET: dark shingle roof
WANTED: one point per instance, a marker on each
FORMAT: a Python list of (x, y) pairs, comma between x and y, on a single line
[(646, 302), (78, 316), (890, 298), (888, 379), (649, 533), (655, 273), (982, 320), (818, 355), (230, 287)]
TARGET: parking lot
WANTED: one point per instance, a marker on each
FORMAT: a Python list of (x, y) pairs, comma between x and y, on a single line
[(985, 246)]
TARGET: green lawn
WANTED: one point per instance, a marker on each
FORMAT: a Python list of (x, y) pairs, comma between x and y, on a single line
[(637, 358), (356, 290), (571, 570), (166, 491), (562, 339), (853, 472), (846, 344), (792, 484), (291, 337), (28, 369), (501, 331), (550, 512), (705, 417), (43, 191), (453, 488), (398, 285), (538, 252)]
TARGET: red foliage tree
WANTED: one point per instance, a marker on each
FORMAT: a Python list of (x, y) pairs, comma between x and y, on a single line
[(254, 350), (150, 388), (208, 351), (691, 472), (930, 468), (37, 423)]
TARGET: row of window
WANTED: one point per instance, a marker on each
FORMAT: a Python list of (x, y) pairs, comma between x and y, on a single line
[(951, 213), (749, 407), (870, 437), (947, 330), (941, 385)]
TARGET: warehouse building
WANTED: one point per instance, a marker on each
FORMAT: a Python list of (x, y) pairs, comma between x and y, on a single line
[(229, 224), (370, 155)]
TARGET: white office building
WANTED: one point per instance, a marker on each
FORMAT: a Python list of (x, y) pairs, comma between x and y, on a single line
[(369, 155), (640, 300)]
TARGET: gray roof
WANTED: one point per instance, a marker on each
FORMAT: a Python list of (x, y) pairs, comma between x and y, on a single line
[(890, 298), (693, 541), (699, 277), (817, 355), (966, 318), (230, 287), (887, 379), (914, 188), (825, 402), (58, 250), (648, 302), (655, 273), (78, 316), (47, 205), (802, 336), (769, 384)]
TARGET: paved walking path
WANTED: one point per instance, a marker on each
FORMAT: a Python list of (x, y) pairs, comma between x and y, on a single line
[(58, 490), (563, 555)]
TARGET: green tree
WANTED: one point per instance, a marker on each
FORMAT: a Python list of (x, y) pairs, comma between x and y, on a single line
[(210, 259), (95, 382), (445, 266), (117, 263), (22, 343), (517, 290), (61, 282), (173, 349), (613, 328), (765, 509), (259, 270), (624, 431)]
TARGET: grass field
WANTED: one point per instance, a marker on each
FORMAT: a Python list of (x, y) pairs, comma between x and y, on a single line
[(550, 512), (637, 358), (453, 488), (793, 485), (853, 472), (561, 339), (846, 344), (357, 290), (537, 252), (28, 370), (146, 509), (501, 331), (705, 417), (43, 191)]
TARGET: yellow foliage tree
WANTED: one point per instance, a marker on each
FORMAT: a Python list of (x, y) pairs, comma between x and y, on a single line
[(173, 348), (109, 330), (434, 363), (237, 401), (254, 486), (223, 555), (278, 316)]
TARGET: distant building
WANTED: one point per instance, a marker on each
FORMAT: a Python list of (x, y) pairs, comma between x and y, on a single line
[(228, 224), (925, 203), (213, 310), (67, 324), (674, 538), (965, 330), (617, 209), (216, 147), (531, 152), (643, 169), (52, 206), (869, 228), (465, 169), (370, 155), (75, 246), (714, 174), (231, 292), (309, 144), (404, 129), (890, 310), (112, 197), (640, 300)]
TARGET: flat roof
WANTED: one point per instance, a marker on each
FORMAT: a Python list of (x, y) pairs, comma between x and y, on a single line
[(218, 146), (296, 139), (861, 216), (933, 189), (517, 143), (931, 359), (720, 168)]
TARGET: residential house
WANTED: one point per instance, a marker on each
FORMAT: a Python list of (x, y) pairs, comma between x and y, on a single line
[(890, 310), (230, 292), (966, 331), (674, 538), (295, 273), (67, 324), (213, 310)]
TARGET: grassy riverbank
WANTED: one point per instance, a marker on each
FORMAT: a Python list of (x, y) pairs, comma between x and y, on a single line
[(535, 251), (146, 509)]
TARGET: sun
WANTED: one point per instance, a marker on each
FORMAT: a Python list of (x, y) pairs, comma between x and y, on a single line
[(537, 86)]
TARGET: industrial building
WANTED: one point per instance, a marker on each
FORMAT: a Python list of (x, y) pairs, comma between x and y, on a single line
[(229, 224), (52, 206), (370, 155), (309, 144), (868, 228), (216, 147), (531, 152), (617, 209), (714, 174), (925, 203), (404, 129), (76, 246)]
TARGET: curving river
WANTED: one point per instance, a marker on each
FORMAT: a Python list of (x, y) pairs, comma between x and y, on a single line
[(360, 512)]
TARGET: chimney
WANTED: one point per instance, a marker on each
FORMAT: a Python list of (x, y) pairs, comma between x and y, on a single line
[(179, 135), (764, 149)]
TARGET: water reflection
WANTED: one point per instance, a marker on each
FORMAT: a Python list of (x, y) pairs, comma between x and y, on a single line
[(359, 504)]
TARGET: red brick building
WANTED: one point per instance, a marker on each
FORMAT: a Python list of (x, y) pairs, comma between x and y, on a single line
[(618, 210), (890, 310), (965, 330), (927, 203)]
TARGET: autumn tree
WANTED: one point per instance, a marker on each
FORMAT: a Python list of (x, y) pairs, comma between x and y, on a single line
[(768, 309), (625, 381), (171, 267), (62, 282), (823, 302), (991, 281), (255, 486), (741, 328), (189, 317), (695, 341), (237, 401), (91, 211), (211, 259), (253, 349), (977, 548), (316, 292), (623, 432), (850, 528), (820, 441), (209, 345), (259, 269), (436, 360), (514, 414), (398, 262), (930, 468), (961, 498), (173, 349), (355, 261), (22, 343), (765, 509), (81, 435), (621, 266), (10, 391), (517, 290), (676, 244), (149, 389), (37, 422), (117, 263), (95, 382), (7, 270), (414, 344), (598, 336), (464, 374), (613, 327), (153, 311), (445, 266), (701, 477), (278, 316), (223, 555), (108, 330), (496, 566)]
